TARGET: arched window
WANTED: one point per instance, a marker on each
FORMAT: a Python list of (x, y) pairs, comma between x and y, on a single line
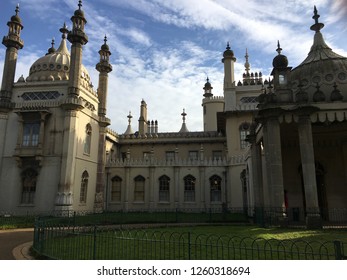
[(215, 188), (189, 188), (84, 187), (244, 129), (116, 189), (139, 190), (164, 188), (29, 179), (88, 139)]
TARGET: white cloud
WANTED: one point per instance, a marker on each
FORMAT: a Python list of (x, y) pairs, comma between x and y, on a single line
[(172, 75)]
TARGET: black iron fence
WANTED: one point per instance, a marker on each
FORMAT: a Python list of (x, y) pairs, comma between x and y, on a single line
[(101, 243)]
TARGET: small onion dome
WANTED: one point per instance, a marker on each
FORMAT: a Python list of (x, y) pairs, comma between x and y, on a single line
[(16, 18), (280, 61), (318, 96), (336, 94), (105, 47), (79, 12), (207, 84), (51, 49), (228, 53)]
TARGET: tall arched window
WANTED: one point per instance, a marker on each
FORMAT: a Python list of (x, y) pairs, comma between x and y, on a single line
[(139, 190), (116, 189), (189, 188), (88, 139), (164, 188), (84, 187), (244, 129), (29, 179), (215, 188)]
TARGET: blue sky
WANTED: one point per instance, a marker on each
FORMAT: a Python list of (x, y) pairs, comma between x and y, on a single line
[(163, 50)]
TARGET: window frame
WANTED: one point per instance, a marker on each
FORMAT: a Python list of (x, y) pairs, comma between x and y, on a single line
[(164, 188), (84, 187), (189, 188), (29, 188), (139, 188), (215, 188), (116, 189), (88, 139)]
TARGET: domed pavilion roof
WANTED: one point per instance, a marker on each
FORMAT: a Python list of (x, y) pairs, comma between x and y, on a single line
[(54, 66), (322, 65)]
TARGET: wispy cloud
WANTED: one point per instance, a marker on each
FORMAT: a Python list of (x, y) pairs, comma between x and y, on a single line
[(162, 51)]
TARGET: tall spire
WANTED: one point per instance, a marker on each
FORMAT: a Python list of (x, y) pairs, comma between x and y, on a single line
[(247, 65)]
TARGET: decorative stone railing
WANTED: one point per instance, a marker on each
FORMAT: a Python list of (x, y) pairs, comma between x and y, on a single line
[(132, 162)]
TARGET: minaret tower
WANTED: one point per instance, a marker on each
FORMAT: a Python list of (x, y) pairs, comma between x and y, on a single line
[(228, 60), (77, 38), (229, 81), (13, 43), (103, 67), (211, 105)]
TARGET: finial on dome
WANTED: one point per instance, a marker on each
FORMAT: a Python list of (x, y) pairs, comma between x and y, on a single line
[(184, 115), (228, 46), (129, 130), (64, 31), (317, 26), (184, 126), (279, 49), (79, 4), (17, 9), (129, 117), (51, 49)]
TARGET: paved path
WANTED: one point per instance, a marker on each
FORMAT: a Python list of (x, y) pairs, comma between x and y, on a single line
[(13, 243)]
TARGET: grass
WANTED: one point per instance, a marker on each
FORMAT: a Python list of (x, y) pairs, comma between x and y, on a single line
[(195, 242), (10, 222), (136, 217)]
